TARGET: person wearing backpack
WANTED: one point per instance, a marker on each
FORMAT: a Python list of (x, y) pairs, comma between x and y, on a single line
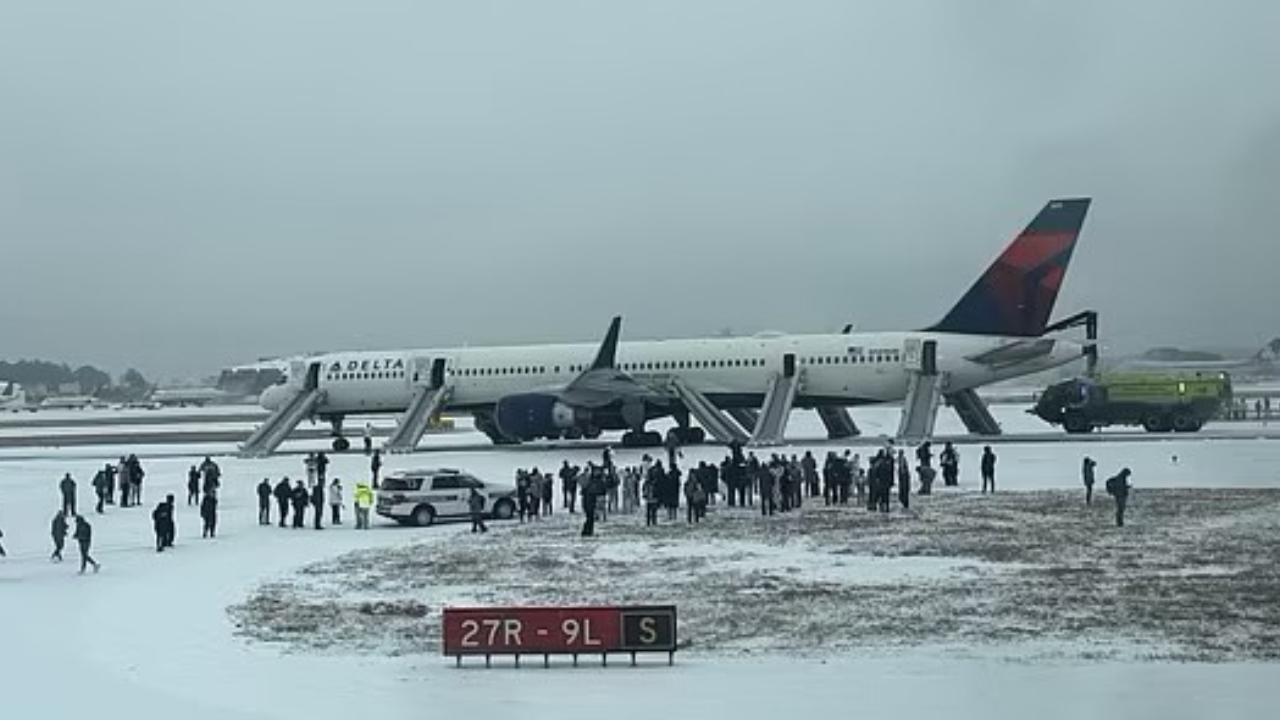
[(1118, 487)]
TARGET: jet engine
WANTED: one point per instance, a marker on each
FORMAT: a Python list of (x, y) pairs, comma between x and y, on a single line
[(534, 415)]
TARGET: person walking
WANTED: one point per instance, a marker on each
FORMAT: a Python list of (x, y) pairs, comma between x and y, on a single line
[(475, 503), (161, 518), (209, 514), (1118, 486), (335, 502), (1086, 470), (58, 530), (84, 538), (100, 490)]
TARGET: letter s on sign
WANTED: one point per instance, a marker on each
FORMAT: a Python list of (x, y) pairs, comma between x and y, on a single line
[(648, 633)]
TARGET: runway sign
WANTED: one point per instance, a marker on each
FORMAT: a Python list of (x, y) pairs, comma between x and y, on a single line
[(550, 631)]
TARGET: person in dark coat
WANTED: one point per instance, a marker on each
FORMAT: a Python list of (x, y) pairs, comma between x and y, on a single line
[(100, 489), (322, 464), (475, 503), (264, 502), (988, 469), (317, 502), (161, 519), (1118, 486), (209, 514), (84, 538), (1086, 470), (950, 461), (58, 529), (110, 471), (283, 494), (68, 488), (193, 486), (301, 498), (592, 489), (375, 466)]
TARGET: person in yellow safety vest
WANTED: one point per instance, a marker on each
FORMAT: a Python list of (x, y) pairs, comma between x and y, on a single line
[(364, 500)]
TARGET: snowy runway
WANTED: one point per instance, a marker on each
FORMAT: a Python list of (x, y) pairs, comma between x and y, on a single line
[(152, 637)]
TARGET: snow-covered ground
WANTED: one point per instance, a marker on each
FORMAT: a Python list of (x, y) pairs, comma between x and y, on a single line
[(156, 636)]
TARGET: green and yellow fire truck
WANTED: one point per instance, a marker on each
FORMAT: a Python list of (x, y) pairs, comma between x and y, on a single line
[(1159, 402)]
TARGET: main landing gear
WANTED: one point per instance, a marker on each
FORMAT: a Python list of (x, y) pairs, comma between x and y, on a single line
[(650, 438), (340, 443)]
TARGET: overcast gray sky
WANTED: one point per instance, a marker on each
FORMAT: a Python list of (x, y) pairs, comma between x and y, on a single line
[(189, 185)]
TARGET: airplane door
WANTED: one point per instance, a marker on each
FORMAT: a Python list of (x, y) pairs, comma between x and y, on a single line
[(789, 365), (313, 377), (929, 357), (437, 372)]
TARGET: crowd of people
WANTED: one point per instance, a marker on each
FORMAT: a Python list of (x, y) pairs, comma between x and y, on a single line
[(776, 484)]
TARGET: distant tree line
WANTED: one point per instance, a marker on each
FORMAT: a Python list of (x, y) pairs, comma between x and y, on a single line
[(44, 378)]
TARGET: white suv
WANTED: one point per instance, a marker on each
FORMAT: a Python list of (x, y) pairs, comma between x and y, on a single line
[(420, 497)]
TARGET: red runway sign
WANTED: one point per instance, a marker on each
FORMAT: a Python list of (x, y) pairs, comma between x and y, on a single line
[(559, 630)]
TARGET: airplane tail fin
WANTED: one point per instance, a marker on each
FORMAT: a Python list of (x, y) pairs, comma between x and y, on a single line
[(1015, 296)]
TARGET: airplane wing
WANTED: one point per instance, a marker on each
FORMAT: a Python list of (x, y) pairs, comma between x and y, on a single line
[(603, 383)]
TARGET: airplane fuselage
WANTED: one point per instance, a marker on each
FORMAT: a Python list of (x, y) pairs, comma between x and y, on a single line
[(835, 369)]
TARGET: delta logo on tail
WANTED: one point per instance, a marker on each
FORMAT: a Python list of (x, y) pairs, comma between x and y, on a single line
[(1015, 296)]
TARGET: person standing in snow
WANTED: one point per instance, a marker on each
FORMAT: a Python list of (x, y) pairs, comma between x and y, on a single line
[(68, 488), (475, 503), (317, 502), (375, 466), (300, 498), (209, 514), (950, 461), (84, 538), (988, 469), (58, 530), (1086, 470), (322, 466), (335, 502), (264, 502), (363, 501), (283, 494), (193, 486), (368, 438), (904, 481)]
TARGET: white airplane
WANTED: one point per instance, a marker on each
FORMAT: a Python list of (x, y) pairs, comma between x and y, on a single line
[(518, 393), (13, 397)]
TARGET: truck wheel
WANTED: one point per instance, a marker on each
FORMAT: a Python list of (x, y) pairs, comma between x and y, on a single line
[(1076, 423), (1182, 422), (1155, 424)]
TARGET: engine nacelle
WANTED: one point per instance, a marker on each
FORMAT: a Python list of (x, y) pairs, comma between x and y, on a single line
[(534, 415)]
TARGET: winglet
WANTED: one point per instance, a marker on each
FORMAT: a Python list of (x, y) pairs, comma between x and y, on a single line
[(608, 353)]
